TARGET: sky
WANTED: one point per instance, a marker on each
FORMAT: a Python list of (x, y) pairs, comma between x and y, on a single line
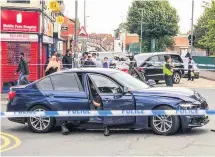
[(103, 16)]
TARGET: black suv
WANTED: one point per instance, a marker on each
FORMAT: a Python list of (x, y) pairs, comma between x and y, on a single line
[(151, 66)]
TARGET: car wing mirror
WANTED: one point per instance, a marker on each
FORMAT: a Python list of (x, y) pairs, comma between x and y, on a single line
[(151, 83), (125, 90)]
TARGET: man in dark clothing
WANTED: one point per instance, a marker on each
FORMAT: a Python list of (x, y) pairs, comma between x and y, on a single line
[(23, 68), (67, 60), (89, 62), (168, 71), (190, 66), (84, 58)]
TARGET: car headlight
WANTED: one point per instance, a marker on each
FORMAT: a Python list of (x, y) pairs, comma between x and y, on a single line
[(190, 105), (187, 105)]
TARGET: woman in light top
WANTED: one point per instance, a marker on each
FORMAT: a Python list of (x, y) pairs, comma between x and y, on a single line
[(53, 66)]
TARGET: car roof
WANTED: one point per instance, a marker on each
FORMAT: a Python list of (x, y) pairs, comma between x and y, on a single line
[(88, 70), (156, 53)]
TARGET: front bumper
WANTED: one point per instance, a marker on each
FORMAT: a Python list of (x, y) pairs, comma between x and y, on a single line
[(197, 121)]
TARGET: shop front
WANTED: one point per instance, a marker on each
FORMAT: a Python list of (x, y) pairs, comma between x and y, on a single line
[(19, 34)]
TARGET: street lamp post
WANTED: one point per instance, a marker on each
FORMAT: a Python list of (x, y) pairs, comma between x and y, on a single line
[(141, 27), (192, 28)]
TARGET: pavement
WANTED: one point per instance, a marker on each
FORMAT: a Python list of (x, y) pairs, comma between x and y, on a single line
[(210, 75), (18, 140)]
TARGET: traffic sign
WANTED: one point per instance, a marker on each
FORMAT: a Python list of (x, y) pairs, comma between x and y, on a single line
[(54, 6), (82, 32), (60, 19), (64, 28)]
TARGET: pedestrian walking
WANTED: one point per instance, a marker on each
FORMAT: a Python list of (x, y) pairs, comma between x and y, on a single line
[(67, 60), (23, 69), (190, 66), (168, 71), (53, 66)]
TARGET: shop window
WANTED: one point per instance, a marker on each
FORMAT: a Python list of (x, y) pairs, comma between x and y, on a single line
[(18, 1), (14, 50)]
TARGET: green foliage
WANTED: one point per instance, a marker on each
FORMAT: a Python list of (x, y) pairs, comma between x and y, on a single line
[(160, 21), (205, 29)]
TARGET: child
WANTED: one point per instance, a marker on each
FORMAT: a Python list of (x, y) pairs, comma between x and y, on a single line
[(192, 75)]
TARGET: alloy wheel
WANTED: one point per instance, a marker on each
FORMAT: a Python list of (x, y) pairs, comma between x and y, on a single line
[(176, 78), (40, 123), (162, 123)]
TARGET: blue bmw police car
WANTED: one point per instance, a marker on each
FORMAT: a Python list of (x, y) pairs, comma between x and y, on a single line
[(73, 90)]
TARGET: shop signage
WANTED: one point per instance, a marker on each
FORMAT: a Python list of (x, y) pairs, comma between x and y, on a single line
[(48, 27), (64, 28), (48, 40), (19, 37), (19, 21)]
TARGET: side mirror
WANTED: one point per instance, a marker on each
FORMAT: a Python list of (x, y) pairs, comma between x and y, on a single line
[(125, 90), (151, 83)]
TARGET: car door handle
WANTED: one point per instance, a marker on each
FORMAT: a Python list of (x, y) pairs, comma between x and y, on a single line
[(107, 99), (49, 95)]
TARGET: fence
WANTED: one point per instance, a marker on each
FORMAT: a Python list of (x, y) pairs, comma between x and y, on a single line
[(201, 60)]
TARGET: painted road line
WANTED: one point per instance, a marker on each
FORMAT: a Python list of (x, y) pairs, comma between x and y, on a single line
[(6, 142), (6, 137)]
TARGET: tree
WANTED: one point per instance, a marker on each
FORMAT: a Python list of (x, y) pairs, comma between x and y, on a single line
[(206, 23), (159, 20), (201, 28)]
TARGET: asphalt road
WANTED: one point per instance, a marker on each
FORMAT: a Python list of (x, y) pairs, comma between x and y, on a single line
[(22, 142)]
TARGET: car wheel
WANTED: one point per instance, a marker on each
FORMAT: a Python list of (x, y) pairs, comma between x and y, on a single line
[(40, 124), (176, 77), (164, 124)]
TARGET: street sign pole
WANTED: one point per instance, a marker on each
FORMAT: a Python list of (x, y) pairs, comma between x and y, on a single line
[(84, 21), (76, 33)]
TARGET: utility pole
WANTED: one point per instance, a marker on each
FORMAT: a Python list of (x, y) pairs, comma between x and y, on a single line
[(84, 22), (141, 40), (191, 47), (76, 33)]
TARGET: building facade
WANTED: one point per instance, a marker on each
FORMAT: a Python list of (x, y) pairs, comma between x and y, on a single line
[(26, 26)]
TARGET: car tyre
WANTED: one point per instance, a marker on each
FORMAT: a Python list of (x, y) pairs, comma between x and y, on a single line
[(176, 77), (171, 122), (45, 124)]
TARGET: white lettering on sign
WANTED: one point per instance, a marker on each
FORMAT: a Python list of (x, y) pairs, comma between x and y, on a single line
[(19, 37), (27, 28)]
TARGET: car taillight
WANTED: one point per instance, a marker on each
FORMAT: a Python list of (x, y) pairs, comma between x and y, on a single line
[(11, 95), (140, 68)]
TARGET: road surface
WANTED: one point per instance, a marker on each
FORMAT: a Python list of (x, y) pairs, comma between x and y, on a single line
[(18, 140)]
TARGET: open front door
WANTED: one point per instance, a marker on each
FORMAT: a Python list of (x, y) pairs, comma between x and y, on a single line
[(112, 98)]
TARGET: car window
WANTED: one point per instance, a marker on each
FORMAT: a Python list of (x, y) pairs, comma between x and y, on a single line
[(176, 59), (105, 85), (45, 84), (154, 59), (162, 59), (65, 82)]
